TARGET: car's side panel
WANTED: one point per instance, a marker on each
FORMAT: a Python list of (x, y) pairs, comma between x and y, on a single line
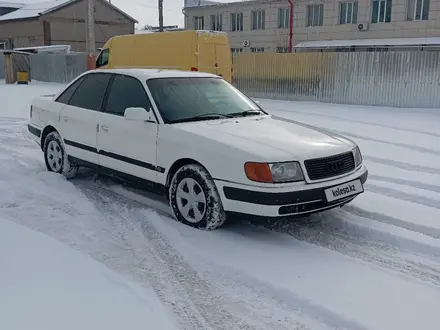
[(79, 130), (45, 112), (79, 118), (124, 145), (128, 146)]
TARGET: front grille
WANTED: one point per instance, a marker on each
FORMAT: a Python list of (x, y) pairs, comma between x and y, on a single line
[(322, 168)]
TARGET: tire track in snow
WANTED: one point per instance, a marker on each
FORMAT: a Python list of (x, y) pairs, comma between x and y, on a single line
[(429, 231), (253, 296), (175, 273), (328, 230), (404, 182), (402, 165), (116, 242), (282, 300), (390, 192), (351, 120)]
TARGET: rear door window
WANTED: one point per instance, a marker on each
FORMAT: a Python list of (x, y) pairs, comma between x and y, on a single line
[(90, 94), (67, 94)]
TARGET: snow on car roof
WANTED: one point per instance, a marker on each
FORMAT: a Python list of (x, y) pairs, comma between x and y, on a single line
[(157, 73)]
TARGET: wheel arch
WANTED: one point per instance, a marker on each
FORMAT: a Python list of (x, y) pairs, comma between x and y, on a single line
[(178, 164), (48, 129)]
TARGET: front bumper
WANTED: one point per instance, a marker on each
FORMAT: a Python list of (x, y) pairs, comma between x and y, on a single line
[(280, 202)]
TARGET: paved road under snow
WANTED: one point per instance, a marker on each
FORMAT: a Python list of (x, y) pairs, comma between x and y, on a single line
[(374, 264)]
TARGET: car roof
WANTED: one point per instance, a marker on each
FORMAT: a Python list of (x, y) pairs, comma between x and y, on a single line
[(145, 74)]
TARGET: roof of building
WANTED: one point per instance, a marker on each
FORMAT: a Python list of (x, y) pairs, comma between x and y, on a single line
[(188, 4), (430, 41), (200, 3), (36, 8)]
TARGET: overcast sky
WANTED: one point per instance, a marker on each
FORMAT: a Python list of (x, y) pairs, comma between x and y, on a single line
[(145, 11)]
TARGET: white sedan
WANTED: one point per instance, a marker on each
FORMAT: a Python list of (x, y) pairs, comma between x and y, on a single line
[(195, 138)]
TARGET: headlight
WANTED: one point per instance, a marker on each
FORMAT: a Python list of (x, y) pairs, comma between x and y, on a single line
[(274, 172), (357, 156), (286, 172)]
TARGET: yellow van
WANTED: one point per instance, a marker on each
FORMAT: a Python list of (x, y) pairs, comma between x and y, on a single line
[(190, 50)]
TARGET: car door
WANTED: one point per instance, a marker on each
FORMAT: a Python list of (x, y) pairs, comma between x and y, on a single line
[(79, 118), (125, 145)]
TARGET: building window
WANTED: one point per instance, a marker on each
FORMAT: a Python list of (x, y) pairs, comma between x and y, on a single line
[(236, 50), (258, 18), (282, 49), (199, 23), (418, 10), (348, 12), (315, 15), (216, 22), (257, 50), (237, 22), (283, 18), (381, 11)]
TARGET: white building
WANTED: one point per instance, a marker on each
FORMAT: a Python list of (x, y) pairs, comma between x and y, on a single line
[(267, 25)]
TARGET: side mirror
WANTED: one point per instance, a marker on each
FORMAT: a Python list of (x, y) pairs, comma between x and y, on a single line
[(139, 114)]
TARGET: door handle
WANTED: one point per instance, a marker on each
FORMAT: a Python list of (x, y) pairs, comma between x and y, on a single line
[(66, 118), (104, 127)]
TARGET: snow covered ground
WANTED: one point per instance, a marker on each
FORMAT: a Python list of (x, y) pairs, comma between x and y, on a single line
[(374, 264)]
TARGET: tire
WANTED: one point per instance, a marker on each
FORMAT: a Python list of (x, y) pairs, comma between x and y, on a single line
[(55, 156), (211, 214)]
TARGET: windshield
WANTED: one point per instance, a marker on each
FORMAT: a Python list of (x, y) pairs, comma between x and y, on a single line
[(186, 99)]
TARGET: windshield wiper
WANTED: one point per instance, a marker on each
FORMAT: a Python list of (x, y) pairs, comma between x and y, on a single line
[(252, 112), (205, 116)]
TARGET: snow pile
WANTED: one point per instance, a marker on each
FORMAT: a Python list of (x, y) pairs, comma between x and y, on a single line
[(46, 285)]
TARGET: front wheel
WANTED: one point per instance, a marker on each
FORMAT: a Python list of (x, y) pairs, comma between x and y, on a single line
[(55, 156), (194, 198)]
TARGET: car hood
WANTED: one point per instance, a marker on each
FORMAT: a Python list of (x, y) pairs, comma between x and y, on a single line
[(292, 140)]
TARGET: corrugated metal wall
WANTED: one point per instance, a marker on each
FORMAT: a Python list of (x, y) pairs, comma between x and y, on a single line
[(402, 79), (57, 67), (2, 66)]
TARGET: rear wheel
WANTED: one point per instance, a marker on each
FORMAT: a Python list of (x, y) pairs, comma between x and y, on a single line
[(194, 198), (55, 156)]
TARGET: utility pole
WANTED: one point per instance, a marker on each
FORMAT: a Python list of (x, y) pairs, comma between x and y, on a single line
[(90, 35), (160, 15)]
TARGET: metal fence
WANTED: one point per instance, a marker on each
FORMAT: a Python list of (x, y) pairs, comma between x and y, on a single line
[(399, 78), (57, 67), (402, 79)]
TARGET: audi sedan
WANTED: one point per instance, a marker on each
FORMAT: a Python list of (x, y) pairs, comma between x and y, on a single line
[(195, 138)]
